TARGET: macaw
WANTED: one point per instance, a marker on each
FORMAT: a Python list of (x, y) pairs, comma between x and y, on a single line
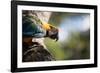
[(39, 30), (36, 31)]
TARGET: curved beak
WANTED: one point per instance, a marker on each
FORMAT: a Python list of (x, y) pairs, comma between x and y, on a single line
[(53, 33)]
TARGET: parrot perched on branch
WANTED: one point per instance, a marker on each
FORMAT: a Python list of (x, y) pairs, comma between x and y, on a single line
[(34, 30)]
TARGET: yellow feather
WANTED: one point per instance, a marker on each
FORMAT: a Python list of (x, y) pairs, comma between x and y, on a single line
[(46, 26)]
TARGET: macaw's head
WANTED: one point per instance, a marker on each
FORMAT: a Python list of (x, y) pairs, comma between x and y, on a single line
[(52, 32)]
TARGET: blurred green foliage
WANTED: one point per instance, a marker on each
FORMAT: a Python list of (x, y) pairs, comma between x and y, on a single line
[(55, 48)]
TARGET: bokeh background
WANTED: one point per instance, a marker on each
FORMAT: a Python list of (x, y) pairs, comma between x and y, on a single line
[(74, 36)]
